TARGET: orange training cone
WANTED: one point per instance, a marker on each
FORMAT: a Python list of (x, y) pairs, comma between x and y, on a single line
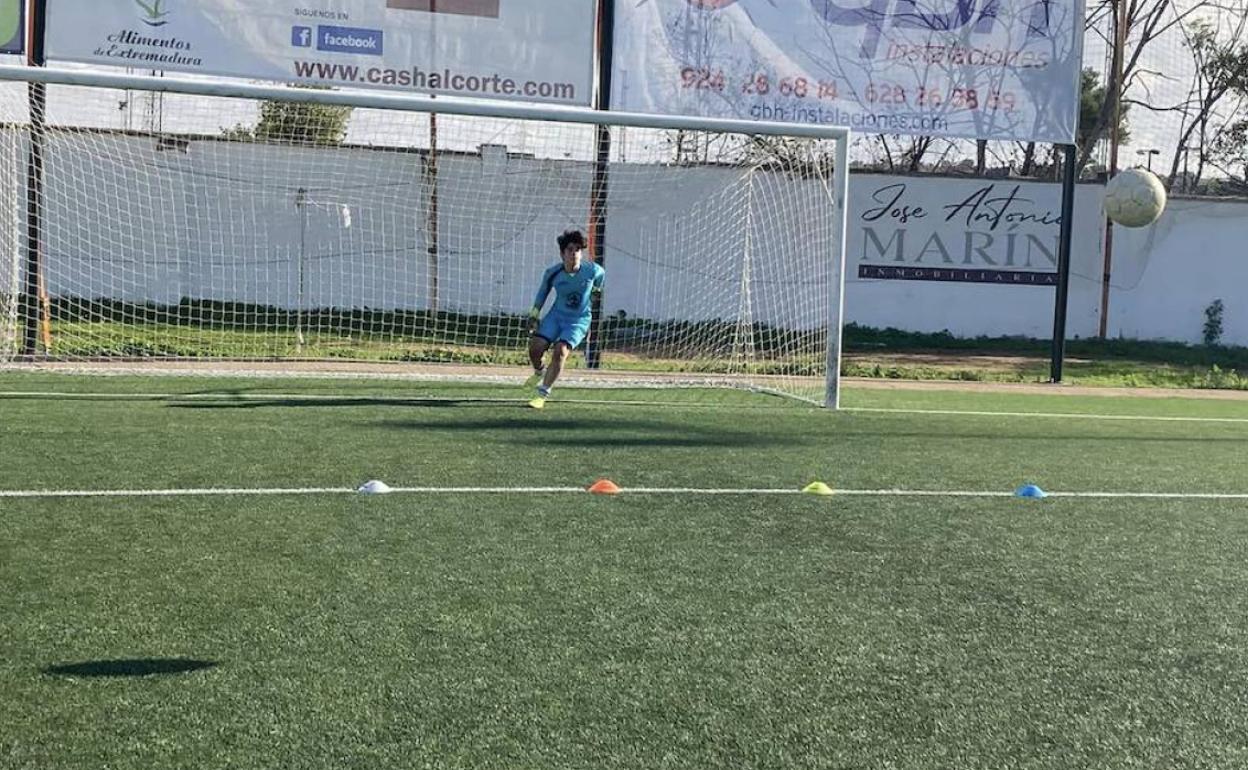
[(604, 487)]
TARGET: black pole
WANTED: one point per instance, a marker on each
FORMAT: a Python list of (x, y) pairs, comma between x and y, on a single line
[(1063, 264), (431, 168), (598, 189), (37, 101)]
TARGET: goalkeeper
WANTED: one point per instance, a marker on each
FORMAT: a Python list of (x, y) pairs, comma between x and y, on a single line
[(572, 280)]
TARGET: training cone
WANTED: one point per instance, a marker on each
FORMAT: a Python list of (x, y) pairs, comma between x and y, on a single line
[(817, 488), (604, 487), (1030, 490), (374, 488)]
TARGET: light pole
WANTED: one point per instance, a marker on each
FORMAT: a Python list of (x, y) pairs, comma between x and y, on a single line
[(1149, 157)]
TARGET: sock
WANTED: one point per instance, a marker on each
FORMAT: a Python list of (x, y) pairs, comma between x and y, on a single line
[(543, 391)]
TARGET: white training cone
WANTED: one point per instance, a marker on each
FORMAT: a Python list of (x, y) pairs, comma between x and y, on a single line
[(374, 488)]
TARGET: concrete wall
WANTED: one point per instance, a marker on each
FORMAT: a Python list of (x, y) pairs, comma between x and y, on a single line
[(1165, 276)]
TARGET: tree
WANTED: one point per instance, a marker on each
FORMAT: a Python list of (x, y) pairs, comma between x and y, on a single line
[(1221, 71), (302, 123), (1229, 150), (1145, 21), (907, 153), (1092, 97)]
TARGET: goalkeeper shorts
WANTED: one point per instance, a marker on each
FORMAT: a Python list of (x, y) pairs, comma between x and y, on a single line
[(570, 330)]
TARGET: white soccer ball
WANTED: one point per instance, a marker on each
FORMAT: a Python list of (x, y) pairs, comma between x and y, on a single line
[(1134, 198)]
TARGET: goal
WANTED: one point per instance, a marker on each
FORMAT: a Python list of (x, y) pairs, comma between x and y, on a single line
[(160, 221)]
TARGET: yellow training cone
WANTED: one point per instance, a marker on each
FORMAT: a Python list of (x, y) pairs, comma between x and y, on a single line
[(817, 488)]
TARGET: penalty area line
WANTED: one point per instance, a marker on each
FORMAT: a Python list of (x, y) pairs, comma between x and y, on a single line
[(450, 490), (275, 491)]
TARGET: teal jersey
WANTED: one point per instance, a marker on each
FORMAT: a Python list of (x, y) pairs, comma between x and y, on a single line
[(572, 290)]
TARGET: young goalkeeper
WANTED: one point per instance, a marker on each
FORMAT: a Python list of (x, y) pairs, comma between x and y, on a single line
[(573, 280)]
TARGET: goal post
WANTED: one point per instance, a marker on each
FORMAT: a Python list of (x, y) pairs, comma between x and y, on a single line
[(184, 220)]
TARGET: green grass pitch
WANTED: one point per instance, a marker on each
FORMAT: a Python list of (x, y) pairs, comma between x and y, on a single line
[(565, 630)]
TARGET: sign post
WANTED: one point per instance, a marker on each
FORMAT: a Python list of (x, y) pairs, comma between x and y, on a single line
[(1063, 264), (37, 100)]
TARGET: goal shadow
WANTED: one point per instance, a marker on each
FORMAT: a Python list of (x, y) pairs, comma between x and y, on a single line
[(581, 430), (129, 667)]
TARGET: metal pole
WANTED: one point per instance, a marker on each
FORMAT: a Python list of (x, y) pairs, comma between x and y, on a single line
[(743, 339), (432, 170), (1115, 93), (1063, 265), (599, 186), (836, 282), (301, 202), (37, 100)]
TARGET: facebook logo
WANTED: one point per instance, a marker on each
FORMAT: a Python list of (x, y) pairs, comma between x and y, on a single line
[(301, 37), (348, 40)]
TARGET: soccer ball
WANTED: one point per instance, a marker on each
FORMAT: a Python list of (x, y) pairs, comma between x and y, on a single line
[(1134, 198)]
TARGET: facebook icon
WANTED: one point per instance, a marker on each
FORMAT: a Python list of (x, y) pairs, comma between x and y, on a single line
[(301, 37)]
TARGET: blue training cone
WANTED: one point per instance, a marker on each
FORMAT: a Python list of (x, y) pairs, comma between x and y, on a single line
[(1030, 490)]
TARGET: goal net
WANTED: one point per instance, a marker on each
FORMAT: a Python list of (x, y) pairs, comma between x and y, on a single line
[(160, 220)]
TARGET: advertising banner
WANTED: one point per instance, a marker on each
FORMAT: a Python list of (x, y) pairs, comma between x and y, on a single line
[(525, 50), (956, 230), (982, 69)]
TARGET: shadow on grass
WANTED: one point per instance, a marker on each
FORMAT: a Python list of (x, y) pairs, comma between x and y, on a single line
[(545, 429), (347, 402), (129, 667), (534, 428)]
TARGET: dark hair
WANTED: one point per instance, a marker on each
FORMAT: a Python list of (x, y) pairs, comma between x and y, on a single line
[(571, 237)]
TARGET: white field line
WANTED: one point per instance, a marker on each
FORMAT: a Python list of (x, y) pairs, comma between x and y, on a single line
[(227, 492), (313, 397), (1061, 415), (245, 491)]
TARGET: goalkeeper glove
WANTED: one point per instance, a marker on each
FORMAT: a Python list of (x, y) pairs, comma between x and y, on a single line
[(533, 316)]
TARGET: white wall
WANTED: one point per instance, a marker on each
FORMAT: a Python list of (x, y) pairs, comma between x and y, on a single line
[(1165, 276), (219, 221)]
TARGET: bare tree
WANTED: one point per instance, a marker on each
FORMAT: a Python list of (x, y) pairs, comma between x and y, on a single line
[(1145, 22), (1221, 69)]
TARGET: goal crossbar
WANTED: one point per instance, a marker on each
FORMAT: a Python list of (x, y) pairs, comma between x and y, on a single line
[(410, 102)]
